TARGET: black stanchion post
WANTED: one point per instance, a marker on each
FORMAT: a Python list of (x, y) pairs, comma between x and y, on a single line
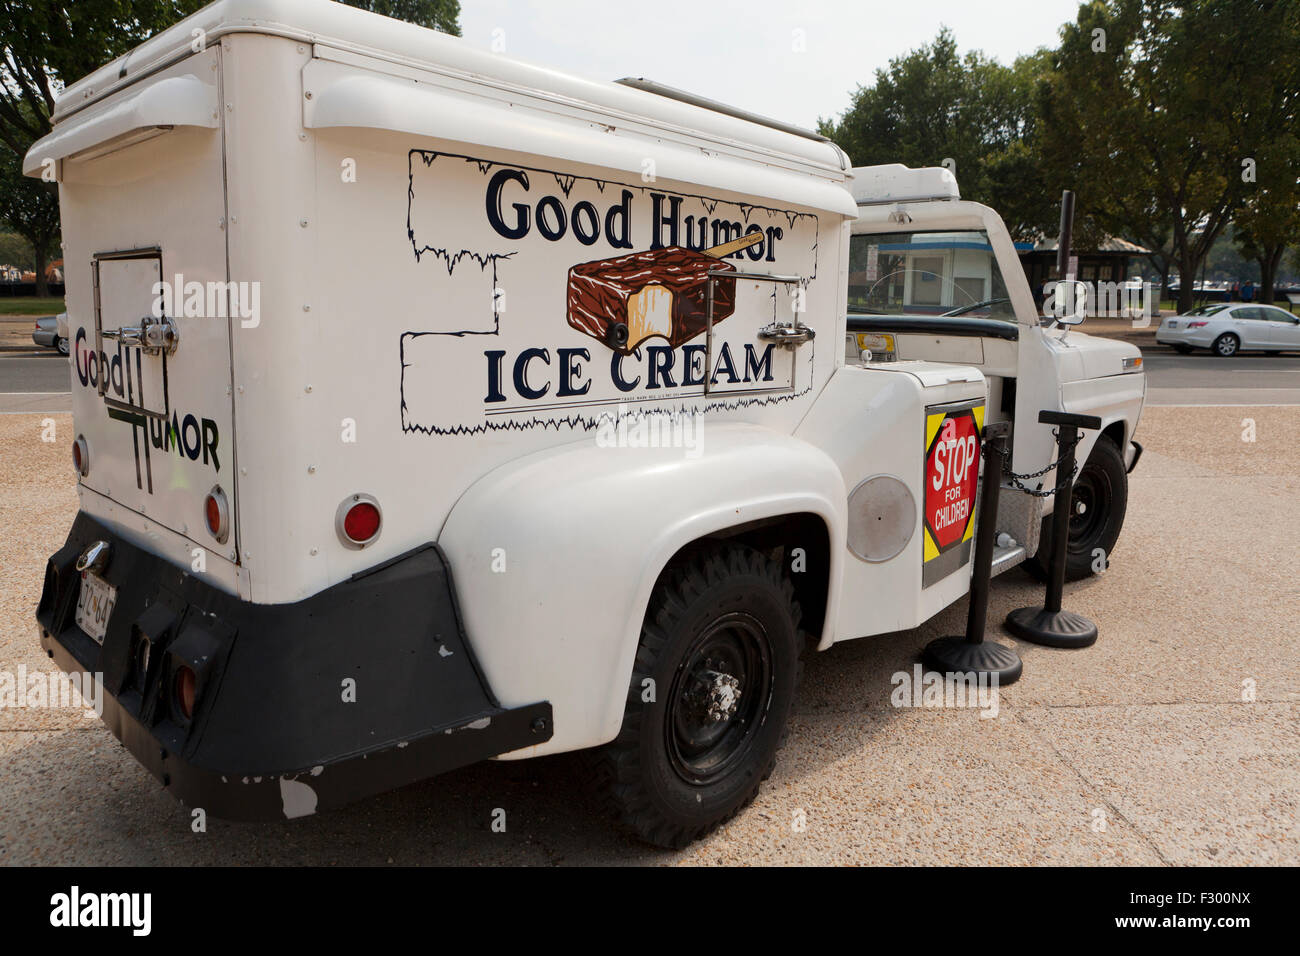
[(972, 654), (1049, 625)]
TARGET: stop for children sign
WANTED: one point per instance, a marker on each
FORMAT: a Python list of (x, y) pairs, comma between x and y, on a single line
[(952, 455)]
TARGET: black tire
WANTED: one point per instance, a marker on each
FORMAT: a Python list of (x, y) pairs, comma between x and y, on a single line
[(1182, 349), (678, 768), (62, 346), (1226, 345), (1101, 488)]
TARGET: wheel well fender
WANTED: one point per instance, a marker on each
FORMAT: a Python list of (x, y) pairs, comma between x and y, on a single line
[(555, 556)]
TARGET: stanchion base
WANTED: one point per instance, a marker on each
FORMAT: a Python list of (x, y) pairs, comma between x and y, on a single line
[(1051, 628), (960, 656)]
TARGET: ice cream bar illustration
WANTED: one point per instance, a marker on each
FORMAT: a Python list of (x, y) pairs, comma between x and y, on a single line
[(659, 292)]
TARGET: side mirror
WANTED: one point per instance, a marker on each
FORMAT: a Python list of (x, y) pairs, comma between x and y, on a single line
[(1067, 302)]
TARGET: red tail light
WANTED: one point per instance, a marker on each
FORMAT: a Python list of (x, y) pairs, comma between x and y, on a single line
[(81, 456), (358, 520), (216, 514), (185, 688), (1196, 325)]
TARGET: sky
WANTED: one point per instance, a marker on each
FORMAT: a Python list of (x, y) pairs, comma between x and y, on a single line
[(747, 54)]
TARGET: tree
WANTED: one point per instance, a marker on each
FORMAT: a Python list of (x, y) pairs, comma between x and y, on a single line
[(441, 15), (15, 250), (1269, 218), (42, 44), (32, 211), (933, 106), (1151, 110)]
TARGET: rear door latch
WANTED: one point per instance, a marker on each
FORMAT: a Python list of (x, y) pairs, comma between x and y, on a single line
[(786, 336), (152, 336)]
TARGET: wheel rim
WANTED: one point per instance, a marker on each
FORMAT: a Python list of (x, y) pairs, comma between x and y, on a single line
[(719, 697), (1227, 345), (1089, 506)]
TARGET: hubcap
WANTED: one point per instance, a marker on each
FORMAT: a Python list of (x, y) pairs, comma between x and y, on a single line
[(1092, 493), (718, 699)]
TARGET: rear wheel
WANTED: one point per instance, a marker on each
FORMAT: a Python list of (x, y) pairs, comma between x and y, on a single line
[(711, 690), (1098, 505), (1227, 345), (62, 346)]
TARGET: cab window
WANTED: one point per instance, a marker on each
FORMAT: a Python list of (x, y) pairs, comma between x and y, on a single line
[(927, 274)]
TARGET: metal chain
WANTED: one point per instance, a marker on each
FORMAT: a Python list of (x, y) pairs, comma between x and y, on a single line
[(1017, 481)]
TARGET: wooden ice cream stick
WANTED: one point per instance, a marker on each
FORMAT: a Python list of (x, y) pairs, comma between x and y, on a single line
[(735, 245)]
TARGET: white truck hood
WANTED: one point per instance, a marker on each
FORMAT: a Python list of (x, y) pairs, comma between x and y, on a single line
[(1086, 356)]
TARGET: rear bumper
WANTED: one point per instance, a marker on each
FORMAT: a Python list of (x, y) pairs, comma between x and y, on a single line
[(361, 688)]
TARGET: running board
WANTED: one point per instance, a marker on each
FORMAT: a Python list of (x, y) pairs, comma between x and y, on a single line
[(1006, 558)]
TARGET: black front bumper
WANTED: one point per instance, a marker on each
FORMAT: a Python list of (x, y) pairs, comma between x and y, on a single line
[(364, 687)]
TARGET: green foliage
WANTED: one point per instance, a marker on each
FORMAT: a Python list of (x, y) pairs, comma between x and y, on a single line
[(47, 43), (16, 251), (933, 105), (441, 15), (1151, 126)]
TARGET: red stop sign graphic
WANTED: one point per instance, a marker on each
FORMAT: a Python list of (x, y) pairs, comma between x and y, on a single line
[(951, 471)]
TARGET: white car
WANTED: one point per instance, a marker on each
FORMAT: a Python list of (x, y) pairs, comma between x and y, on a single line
[(1228, 328)]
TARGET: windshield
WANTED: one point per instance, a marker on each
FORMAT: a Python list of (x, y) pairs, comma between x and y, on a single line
[(927, 273)]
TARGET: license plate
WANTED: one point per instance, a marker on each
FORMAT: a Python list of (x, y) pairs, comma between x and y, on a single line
[(95, 605)]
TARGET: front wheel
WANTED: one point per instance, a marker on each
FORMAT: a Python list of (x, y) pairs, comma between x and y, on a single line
[(1226, 345), (1097, 510), (711, 690)]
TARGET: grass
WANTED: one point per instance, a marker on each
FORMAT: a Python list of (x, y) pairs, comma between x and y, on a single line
[(30, 305)]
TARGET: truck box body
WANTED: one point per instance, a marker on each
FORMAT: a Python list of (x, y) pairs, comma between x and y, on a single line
[(409, 210)]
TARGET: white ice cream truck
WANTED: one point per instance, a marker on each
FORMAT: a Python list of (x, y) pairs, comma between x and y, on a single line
[(432, 407)]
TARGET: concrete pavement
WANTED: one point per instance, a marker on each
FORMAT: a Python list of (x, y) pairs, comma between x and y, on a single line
[(1143, 749)]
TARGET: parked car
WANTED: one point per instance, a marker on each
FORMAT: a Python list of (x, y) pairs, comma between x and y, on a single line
[(51, 332), (1229, 328)]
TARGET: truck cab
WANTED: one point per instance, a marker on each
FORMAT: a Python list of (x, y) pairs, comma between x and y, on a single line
[(936, 278)]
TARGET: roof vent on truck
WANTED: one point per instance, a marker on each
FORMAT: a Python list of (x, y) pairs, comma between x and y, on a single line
[(894, 182)]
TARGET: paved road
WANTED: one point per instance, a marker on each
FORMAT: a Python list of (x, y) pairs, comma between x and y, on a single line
[(36, 381), (1203, 379), (37, 371)]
